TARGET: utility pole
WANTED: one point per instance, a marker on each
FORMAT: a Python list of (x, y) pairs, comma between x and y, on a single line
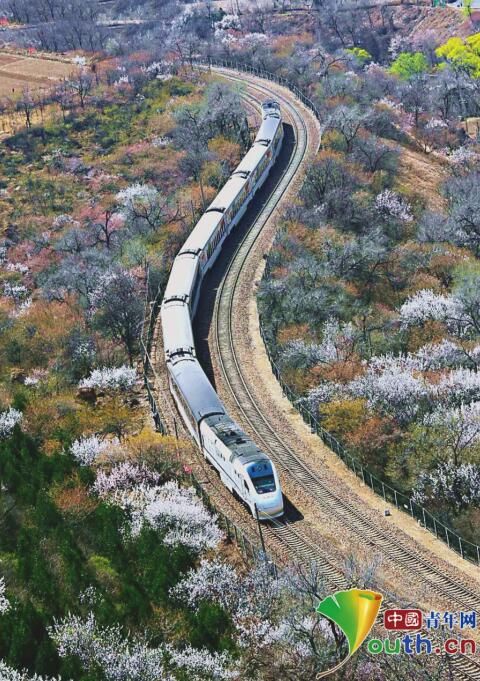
[(260, 530)]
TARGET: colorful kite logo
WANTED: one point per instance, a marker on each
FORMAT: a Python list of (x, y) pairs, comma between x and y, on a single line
[(355, 612)]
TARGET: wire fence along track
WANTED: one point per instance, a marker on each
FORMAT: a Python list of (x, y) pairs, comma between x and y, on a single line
[(466, 549), (406, 559), (265, 433), (150, 316), (402, 502)]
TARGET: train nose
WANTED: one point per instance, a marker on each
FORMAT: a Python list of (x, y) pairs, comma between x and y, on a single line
[(272, 510)]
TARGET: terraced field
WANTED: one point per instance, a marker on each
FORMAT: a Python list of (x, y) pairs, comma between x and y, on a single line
[(18, 72)]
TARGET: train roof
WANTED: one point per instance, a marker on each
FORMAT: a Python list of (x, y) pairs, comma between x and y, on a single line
[(202, 232), (268, 128), (182, 277), (241, 446), (229, 193), (196, 388), (251, 160), (177, 328)]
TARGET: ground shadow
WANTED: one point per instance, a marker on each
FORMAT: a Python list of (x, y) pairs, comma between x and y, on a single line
[(203, 318)]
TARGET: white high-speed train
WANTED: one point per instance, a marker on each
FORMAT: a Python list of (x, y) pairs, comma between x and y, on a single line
[(243, 467)]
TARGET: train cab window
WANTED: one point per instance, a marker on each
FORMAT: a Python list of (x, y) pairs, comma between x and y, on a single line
[(261, 474)]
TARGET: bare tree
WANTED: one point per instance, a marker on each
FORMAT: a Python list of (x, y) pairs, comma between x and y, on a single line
[(118, 309)]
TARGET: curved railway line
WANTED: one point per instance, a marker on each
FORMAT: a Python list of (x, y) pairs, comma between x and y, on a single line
[(408, 559), (292, 538)]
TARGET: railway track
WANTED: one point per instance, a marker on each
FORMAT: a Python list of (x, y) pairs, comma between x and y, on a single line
[(406, 558)]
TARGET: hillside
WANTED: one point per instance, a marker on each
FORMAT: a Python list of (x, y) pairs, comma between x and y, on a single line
[(362, 285)]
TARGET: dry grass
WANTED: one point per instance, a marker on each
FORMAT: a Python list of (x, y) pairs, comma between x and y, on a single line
[(422, 174), (7, 58), (444, 21), (18, 72)]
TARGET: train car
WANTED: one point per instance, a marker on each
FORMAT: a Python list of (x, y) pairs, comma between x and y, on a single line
[(197, 243), (183, 281), (193, 393), (244, 469), (178, 339), (179, 305)]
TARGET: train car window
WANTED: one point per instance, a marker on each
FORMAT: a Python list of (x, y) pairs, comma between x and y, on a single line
[(246, 486), (184, 404), (261, 475)]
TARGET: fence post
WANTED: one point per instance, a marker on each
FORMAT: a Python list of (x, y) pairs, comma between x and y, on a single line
[(243, 544)]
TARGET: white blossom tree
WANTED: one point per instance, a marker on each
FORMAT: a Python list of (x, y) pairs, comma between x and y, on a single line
[(143, 206), (458, 485), (425, 305), (271, 613), (461, 426), (132, 659), (110, 378), (389, 386), (4, 602), (337, 344), (389, 204), (443, 355), (18, 293), (8, 421), (212, 580), (321, 394), (459, 387), (9, 674), (176, 511), (120, 659), (123, 476), (86, 450)]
